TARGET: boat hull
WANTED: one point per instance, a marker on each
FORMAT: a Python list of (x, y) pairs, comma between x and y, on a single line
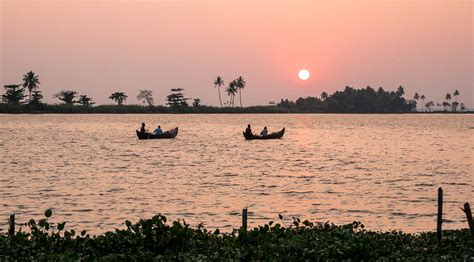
[(274, 135), (168, 134)]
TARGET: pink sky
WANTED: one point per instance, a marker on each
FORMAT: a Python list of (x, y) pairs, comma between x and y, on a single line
[(99, 47)]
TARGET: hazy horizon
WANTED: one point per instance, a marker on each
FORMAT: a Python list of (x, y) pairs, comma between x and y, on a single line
[(99, 47)]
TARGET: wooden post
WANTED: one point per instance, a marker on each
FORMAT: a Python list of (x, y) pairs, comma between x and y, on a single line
[(244, 219), (11, 223), (440, 214), (467, 210)]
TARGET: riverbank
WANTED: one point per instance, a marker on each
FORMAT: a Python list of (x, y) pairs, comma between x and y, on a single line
[(138, 109), (155, 238)]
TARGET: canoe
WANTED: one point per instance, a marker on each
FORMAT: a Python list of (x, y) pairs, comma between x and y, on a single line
[(274, 135), (168, 134)]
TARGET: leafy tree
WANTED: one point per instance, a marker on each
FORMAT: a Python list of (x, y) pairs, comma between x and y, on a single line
[(146, 96), (454, 106), (85, 100), (429, 105), (446, 105), (422, 97), (197, 102), (36, 98), (240, 84), (31, 81), (218, 83), (118, 97), (66, 96), (176, 98), (13, 94), (231, 91)]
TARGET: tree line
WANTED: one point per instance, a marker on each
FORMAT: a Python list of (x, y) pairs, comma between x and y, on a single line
[(349, 100), (365, 100)]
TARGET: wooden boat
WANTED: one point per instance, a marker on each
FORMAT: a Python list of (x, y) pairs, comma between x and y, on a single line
[(168, 134), (274, 135)]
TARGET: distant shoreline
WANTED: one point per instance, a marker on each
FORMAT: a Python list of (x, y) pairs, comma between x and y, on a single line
[(138, 109)]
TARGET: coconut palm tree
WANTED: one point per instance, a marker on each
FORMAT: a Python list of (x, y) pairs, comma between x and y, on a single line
[(218, 83), (429, 105), (67, 96), (31, 81), (422, 97), (85, 100), (119, 97), (240, 84), (231, 91), (456, 94), (416, 97)]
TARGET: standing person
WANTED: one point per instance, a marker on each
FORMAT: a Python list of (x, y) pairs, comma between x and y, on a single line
[(264, 132), (158, 131), (248, 130)]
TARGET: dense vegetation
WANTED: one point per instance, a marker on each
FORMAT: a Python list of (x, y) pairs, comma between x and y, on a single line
[(155, 239)]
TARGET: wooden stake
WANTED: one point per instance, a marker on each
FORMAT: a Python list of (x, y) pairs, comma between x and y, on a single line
[(440, 214), (11, 223), (244, 219), (467, 210)]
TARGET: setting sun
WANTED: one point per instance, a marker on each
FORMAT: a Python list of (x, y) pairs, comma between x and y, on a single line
[(303, 74)]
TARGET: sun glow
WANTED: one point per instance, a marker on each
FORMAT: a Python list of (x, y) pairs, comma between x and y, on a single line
[(303, 74)]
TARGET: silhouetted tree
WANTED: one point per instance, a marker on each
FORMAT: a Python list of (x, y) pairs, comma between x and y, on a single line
[(85, 100), (118, 97), (36, 98), (231, 91), (456, 94), (416, 97), (176, 98), (454, 106), (31, 81), (422, 97), (429, 105), (197, 102), (240, 84), (462, 107), (13, 94), (218, 83), (324, 96), (146, 96), (66, 96)]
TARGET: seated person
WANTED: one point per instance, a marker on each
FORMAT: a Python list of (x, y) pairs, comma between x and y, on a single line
[(248, 131), (264, 132), (142, 129), (158, 131)]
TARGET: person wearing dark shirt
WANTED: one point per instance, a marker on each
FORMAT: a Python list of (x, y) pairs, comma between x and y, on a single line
[(142, 129), (248, 131)]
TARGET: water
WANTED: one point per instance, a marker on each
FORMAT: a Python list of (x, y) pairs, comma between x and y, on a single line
[(382, 170)]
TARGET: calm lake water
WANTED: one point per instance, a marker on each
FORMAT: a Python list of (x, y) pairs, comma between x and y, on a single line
[(382, 170)]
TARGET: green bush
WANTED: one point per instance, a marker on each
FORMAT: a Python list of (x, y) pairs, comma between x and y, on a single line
[(155, 239)]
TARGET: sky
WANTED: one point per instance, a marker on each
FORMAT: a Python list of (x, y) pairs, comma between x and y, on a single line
[(103, 46)]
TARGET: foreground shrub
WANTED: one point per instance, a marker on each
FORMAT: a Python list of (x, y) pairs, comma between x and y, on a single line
[(156, 239)]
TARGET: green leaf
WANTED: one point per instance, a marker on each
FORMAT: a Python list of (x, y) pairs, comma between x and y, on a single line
[(48, 213), (61, 225)]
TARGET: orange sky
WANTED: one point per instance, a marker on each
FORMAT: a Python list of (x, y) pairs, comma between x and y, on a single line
[(98, 47)]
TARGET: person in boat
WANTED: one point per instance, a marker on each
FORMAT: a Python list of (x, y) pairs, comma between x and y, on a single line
[(248, 131), (142, 129), (158, 131), (264, 132)]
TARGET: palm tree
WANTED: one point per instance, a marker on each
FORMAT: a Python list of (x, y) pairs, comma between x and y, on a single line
[(324, 96), (218, 83), (416, 97), (67, 96), (231, 91), (31, 81), (422, 97), (119, 97), (429, 105), (456, 94), (85, 100), (240, 84), (462, 107)]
